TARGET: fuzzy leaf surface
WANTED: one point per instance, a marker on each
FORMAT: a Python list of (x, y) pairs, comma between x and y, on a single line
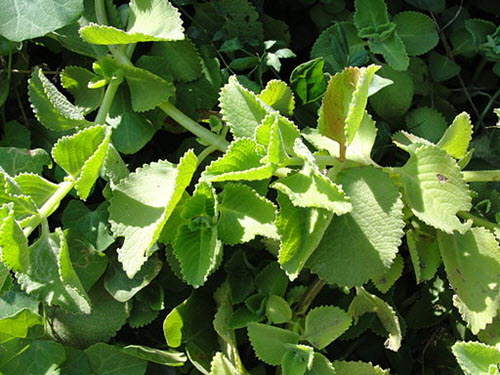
[(279, 96), (357, 368), (424, 253), (455, 141), (476, 358), (324, 324), (76, 79), (180, 58)]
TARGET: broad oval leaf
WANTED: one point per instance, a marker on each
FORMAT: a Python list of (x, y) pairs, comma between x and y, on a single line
[(324, 324), (268, 342)]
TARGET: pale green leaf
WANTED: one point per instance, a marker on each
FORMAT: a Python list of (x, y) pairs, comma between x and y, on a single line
[(472, 261), (17, 325), (455, 140), (18, 160), (365, 302), (424, 252), (371, 232), (11, 193), (181, 59), (162, 357), (141, 81), (241, 109), (242, 161), (279, 96), (278, 310), (82, 330), (278, 135), (297, 360), (361, 146), (13, 243), (476, 359), (434, 189), (51, 107), (324, 324), (142, 203), (417, 31), (111, 360), (76, 79), (245, 214), (357, 368), (269, 342), (149, 21), (300, 230), (385, 281), (222, 366), (37, 188), (344, 103), (321, 366), (26, 19)]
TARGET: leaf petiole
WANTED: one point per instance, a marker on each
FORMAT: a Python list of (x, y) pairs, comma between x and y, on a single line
[(481, 176)]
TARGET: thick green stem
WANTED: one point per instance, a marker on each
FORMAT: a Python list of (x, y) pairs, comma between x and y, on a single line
[(100, 12), (107, 101), (478, 221), (49, 206), (481, 176)]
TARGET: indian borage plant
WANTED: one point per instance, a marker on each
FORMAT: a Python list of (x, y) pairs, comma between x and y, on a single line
[(314, 196)]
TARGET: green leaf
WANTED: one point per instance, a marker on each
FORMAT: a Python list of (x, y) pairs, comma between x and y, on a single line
[(51, 107), (82, 330), (18, 160), (385, 281), (475, 358), (241, 19), (370, 13), (81, 155), (242, 161), (244, 214), (76, 80), (18, 313), (417, 31), (491, 334), (441, 67), (372, 231), (37, 188), (424, 252), (365, 302), (321, 366), (344, 103), (392, 102), (140, 81), (279, 96), (426, 123), (271, 280), (268, 342), (141, 205), (241, 109), (27, 19), (221, 365), (162, 357), (121, 287), (196, 246), (90, 226), (180, 58), (110, 360), (149, 21), (297, 360), (278, 311), (310, 188), (471, 261), (357, 368), (11, 194), (278, 135), (455, 141), (434, 188), (324, 324), (15, 135), (308, 81), (393, 50)]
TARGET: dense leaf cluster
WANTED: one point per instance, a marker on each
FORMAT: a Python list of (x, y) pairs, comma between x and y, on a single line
[(171, 205)]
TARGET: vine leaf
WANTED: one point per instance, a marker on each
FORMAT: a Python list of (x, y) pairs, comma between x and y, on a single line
[(477, 294), (365, 302), (476, 358), (324, 324), (269, 342), (141, 205), (279, 96), (51, 107), (455, 141), (245, 214), (344, 103), (196, 246), (242, 161), (371, 232), (149, 21), (434, 189), (81, 155), (241, 109)]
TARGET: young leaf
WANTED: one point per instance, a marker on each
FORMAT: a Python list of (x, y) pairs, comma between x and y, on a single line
[(372, 231), (300, 230), (76, 80), (365, 302), (141, 205), (324, 324), (455, 140), (51, 107), (278, 96), (244, 214), (278, 311), (417, 31), (241, 109), (424, 252), (472, 261), (105, 359), (81, 155), (434, 188), (268, 342), (344, 103), (278, 135), (17, 160), (475, 358), (149, 21), (196, 246), (357, 368), (242, 161)]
